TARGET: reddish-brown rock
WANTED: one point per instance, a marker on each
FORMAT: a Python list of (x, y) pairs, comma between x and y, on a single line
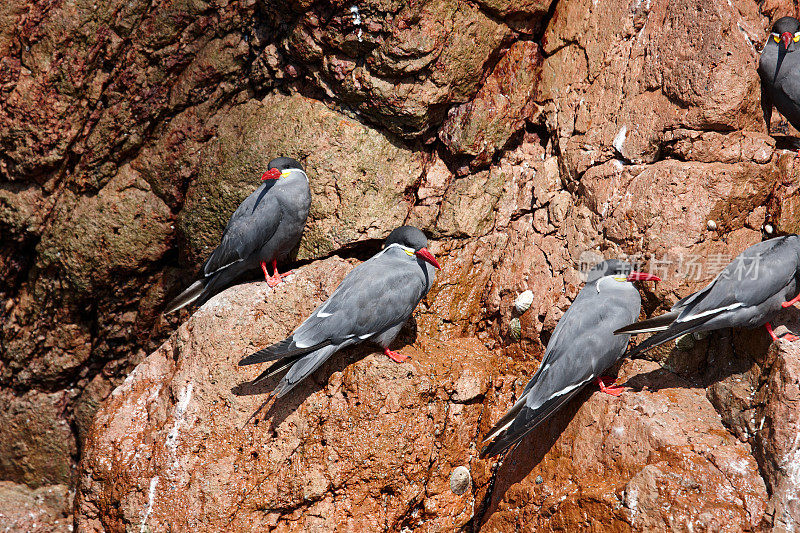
[(658, 458), (129, 130), (500, 109), (43, 510), (364, 441)]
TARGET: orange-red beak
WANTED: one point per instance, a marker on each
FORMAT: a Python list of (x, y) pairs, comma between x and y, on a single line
[(786, 37), (427, 256), (271, 174), (641, 276)]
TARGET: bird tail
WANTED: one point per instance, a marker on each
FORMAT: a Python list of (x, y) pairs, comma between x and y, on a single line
[(659, 323), (521, 420), (194, 292), (280, 350), (671, 333), (302, 368), (276, 368)]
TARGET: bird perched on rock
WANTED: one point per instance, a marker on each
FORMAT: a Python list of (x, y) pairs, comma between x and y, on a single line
[(758, 283), (262, 230), (779, 68), (582, 347), (370, 304)]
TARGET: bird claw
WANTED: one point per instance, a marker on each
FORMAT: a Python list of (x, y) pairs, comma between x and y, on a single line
[(397, 357), (787, 336), (609, 386), (274, 281), (791, 302)]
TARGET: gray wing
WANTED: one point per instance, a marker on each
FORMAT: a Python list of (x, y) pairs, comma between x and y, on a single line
[(252, 224), (375, 296), (755, 275), (583, 345)]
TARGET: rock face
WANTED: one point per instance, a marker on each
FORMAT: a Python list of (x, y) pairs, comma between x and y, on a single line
[(527, 138), (364, 441)]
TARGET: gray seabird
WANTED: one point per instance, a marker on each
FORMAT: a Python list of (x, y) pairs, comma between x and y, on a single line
[(262, 230), (370, 304), (582, 347), (779, 68), (758, 283)]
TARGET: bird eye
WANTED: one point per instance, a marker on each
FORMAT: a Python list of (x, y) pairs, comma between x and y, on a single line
[(777, 39), (796, 37)]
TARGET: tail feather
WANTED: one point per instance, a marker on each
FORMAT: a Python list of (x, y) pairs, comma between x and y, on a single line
[(673, 332), (304, 366), (192, 293), (280, 350), (276, 368), (508, 419), (526, 421), (658, 323)]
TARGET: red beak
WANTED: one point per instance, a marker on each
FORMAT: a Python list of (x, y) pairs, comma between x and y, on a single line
[(271, 174), (786, 37), (427, 256), (641, 276)]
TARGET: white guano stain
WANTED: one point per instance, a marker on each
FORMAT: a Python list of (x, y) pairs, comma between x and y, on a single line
[(619, 140), (356, 20), (151, 495), (180, 410)]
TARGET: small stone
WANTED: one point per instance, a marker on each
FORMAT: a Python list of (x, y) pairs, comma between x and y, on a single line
[(539, 480), (711, 225), (515, 329), (523, 301), (460, 480), (768, 229)]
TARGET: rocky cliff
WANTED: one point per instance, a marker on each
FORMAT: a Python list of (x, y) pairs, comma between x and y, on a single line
[(524, 137)]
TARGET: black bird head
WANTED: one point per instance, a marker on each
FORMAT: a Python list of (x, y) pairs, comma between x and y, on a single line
[(619, 268), (278, 165), (412, 238), (786, 31)]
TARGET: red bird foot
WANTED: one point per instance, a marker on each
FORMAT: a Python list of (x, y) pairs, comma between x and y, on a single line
[(788, 336), (397, 357), (609, 386), (791, 302), (276, 278)]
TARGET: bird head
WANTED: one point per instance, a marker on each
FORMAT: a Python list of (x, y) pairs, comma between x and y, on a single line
[(619, 270), (413, 239), (785, 31), (280, 167)]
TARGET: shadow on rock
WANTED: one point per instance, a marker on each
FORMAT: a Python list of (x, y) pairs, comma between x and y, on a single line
[(713, 357), (283, 407), (519, 461)]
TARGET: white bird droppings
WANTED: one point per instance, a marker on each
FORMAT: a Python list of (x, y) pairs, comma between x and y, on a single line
[(711, 225), (151, 494), (619, 140), (180, 410), (356, 20)]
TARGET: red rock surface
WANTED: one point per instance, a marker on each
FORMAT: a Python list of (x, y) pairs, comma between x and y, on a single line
[(525, 137), (364, 441)]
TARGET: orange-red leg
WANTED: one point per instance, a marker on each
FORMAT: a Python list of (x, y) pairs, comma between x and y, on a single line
[(276, 278), (791, 302), (397, 357), (788, 336), (609, 386)]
